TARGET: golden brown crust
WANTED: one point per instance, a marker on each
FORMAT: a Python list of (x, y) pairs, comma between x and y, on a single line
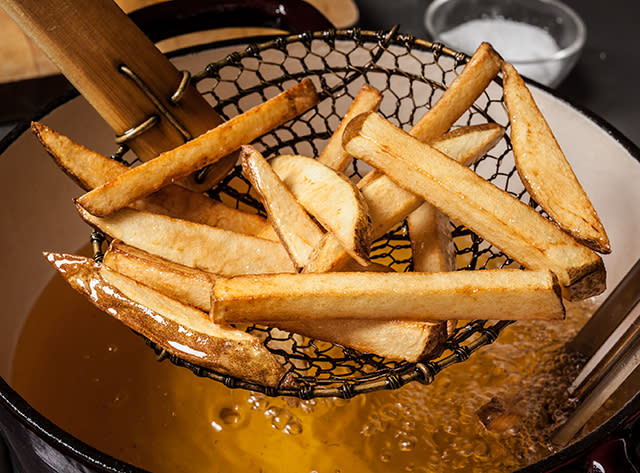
[(90, 170), (296, 230), (206, 149), (331, 198), (87, 168), (199, 246), (182, 283), (489, 294), (544, 169), (179, 329), (498, 217)]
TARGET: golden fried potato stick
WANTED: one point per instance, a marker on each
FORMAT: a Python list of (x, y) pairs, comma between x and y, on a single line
[(493, 214), (299, 234), (90, 170), (483, 66), (429, 229), (206, 149), (191, 244), (465, 89), (395, 339), (185, 284), (504, 294), (432, 247), (399, 340), (391, 339), (331, 198), (178, 328), (297, 231), (544, 169), (389, 204), (334, 155)]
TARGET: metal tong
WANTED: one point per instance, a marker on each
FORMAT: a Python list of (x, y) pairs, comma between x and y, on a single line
[(611, 338)]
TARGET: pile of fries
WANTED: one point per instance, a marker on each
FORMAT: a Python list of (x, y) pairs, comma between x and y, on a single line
[(181, 267)]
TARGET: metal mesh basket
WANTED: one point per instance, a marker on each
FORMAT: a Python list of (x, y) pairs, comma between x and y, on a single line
[(411, 74)]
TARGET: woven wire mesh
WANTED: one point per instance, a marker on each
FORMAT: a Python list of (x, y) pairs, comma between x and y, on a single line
[(411, 75)]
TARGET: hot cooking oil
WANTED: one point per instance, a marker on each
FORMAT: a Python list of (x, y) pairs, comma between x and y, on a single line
[(99, 381)]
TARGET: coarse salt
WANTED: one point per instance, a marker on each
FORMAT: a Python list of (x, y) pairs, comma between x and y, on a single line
[(519, 43)]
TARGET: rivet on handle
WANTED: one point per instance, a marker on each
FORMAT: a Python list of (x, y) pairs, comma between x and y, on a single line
[(164, 111)]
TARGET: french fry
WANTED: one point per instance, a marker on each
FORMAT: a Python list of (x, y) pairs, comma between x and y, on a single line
[(86, 167), (90, 170), (432, 246), (509, 294), (297, 231), (544, 169), (483, 66), (198, 246), (395, 340), (206, 149), (331, 198), (182, 283), (430, 231), (496, 216), (389, 203), (175, 201), (334, 155), (399, 340), (178, 328)]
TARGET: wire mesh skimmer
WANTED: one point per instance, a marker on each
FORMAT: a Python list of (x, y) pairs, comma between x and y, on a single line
[(411, 74)]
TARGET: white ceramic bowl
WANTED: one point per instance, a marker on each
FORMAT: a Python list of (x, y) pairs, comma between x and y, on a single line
[(542, 38)]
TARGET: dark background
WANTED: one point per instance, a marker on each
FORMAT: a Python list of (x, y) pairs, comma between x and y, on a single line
[(605, 79)]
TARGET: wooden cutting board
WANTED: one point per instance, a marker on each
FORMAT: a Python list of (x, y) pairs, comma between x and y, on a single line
[(21, 59)]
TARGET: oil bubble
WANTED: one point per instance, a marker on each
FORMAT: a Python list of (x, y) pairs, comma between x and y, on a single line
[(230, 416), (293, 427)]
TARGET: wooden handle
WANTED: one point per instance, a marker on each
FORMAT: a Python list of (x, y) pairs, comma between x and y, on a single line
[(90, 42)]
